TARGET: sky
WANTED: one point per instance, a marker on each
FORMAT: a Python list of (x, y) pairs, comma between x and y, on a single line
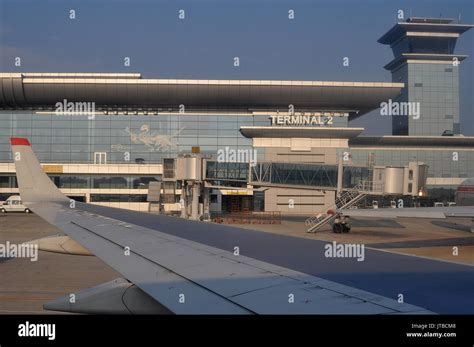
[(203, 44)]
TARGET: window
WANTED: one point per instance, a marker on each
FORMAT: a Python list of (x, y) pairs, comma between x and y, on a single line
[(66, 181), (410, 174), (100, 158), (109, 182), (410, 187), (456, 128), (213, 198), (168, 168), (4, 182), (118, 198), (142, 182)]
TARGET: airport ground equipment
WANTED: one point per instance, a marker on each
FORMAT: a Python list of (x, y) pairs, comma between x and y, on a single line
[(409, 180)]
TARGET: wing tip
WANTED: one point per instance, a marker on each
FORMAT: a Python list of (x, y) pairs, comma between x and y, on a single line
[(19, 141)]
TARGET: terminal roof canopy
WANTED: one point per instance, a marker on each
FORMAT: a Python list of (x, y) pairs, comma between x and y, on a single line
[(130, 90), (300, 132)]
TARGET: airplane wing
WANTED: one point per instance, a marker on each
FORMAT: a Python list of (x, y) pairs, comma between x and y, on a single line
[(168, 274)]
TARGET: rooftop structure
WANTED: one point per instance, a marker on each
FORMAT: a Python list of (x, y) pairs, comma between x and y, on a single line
[(32, 90), (424, 59)]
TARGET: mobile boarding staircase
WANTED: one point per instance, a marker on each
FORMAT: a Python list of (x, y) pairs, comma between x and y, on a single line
[(345, 200)]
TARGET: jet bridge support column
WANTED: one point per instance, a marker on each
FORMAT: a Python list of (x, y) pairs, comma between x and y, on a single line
[(340, 173), (182, 201), (189, 200), (205, 200), (195, 201)]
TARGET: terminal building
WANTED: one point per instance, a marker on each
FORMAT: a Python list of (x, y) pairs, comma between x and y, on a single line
[(105, 138)]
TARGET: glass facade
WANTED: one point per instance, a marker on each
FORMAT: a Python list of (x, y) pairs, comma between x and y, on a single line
[(83, 181), (116, 139), (440, 161), (75, 139), (436, 88), (118, 197), (124, 138)]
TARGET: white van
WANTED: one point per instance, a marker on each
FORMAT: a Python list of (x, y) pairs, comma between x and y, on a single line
[(13, 204)]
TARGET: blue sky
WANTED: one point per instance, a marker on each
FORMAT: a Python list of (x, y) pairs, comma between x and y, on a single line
[(203, 45)]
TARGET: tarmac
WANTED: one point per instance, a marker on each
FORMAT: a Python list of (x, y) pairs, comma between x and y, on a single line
[(428, 238), (25, 285)]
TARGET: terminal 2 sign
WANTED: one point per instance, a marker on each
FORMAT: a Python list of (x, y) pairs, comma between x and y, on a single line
[(306, 119)]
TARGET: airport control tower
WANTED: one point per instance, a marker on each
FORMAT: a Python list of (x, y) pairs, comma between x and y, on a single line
[(424, 60)]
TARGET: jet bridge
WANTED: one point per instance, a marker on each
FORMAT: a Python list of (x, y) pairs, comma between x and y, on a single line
[(196, 174)]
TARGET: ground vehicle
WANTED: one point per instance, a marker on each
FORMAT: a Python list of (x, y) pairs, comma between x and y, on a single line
[(438, 204), (13, 204), (341, 224)]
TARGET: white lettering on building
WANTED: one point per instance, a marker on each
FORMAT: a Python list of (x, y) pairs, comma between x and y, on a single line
[(302, 119)]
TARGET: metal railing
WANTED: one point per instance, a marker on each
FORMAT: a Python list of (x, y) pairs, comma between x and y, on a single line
[(248, 217), (346, 199), (370, 187)]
